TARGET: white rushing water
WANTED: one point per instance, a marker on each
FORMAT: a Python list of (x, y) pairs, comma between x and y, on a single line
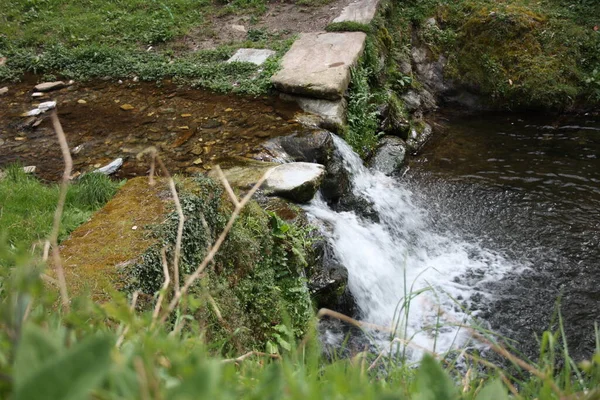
[(402, 254)]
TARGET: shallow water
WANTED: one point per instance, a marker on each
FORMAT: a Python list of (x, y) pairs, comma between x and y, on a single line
[(529, 189), (193, 129)]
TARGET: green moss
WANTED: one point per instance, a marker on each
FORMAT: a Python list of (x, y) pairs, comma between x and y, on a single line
[(348, 26), (257, 279), (520, 54)]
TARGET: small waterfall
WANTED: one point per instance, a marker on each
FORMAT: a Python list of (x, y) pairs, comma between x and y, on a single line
[(405, 253)]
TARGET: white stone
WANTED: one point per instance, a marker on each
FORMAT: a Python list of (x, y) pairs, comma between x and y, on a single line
[(318, 64), (298, 181), (254, 56), (238, 28), (362, 11), (110, 168), (3, 90)]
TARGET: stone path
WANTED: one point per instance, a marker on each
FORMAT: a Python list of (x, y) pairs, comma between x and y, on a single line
[(316, 70)]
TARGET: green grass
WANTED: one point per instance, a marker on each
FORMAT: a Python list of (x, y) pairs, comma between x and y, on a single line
[(27, 205), (109, 39)]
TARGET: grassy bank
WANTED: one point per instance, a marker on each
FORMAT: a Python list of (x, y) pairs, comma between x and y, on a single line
[(128, 39), (27, 206)]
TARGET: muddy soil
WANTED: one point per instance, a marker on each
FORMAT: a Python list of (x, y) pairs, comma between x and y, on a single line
[(192, 129), (281, 19)]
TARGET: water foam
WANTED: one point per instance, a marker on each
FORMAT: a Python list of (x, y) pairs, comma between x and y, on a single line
[(405, 253)]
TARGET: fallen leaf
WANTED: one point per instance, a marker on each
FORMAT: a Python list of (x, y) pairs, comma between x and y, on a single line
[(183, 128), (127, 107), (197, 161), (228, 109), (81, 101), (186, 115)]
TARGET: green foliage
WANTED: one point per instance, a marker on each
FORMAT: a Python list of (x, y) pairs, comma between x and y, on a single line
[(348, 26), (257, 280), (521, 54), (27, 206), (363, 123)]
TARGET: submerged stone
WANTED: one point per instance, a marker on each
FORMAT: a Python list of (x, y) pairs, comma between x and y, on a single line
[(297, 181), (331, 112), (49, 86), (318, 64)]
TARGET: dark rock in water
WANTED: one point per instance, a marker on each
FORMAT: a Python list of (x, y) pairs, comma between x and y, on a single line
[(390, 156), (418, 137), (357, 204), (307, 145), (336, 183), (314, 146), (328, 281)]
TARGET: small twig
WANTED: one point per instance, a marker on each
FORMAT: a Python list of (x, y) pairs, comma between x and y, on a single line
[(53, 239), (134, 298), (176, 257), (213, 251), (164, 288), (227, 186), (249, 354)]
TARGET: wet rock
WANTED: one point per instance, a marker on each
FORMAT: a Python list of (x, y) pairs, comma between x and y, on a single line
[(41, 108), (111, 168), (308, 145), (297, 181), (3, 90), (412, 100), (418, 137), (390, 156), (332, 113), (49, 86), (318, 64), (37, 94), (430, 72), (361, 11), (336, 183), (254, 56), (328, 281)]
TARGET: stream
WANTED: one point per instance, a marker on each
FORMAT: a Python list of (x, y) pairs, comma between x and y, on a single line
[(496, 219)]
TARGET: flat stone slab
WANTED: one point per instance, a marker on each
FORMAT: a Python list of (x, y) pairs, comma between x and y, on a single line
[(362, 11), (298, 181), (254, 56), (318, 64), (48, 86)]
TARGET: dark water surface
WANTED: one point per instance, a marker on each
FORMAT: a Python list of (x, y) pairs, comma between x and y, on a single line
[(529, 188)]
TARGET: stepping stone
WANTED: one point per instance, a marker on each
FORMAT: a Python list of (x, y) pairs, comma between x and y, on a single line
[(362, 11), (318, 64), (298, 181), (254, 56)]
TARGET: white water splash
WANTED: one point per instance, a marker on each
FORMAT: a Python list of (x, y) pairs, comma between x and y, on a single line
[(403, 254)]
